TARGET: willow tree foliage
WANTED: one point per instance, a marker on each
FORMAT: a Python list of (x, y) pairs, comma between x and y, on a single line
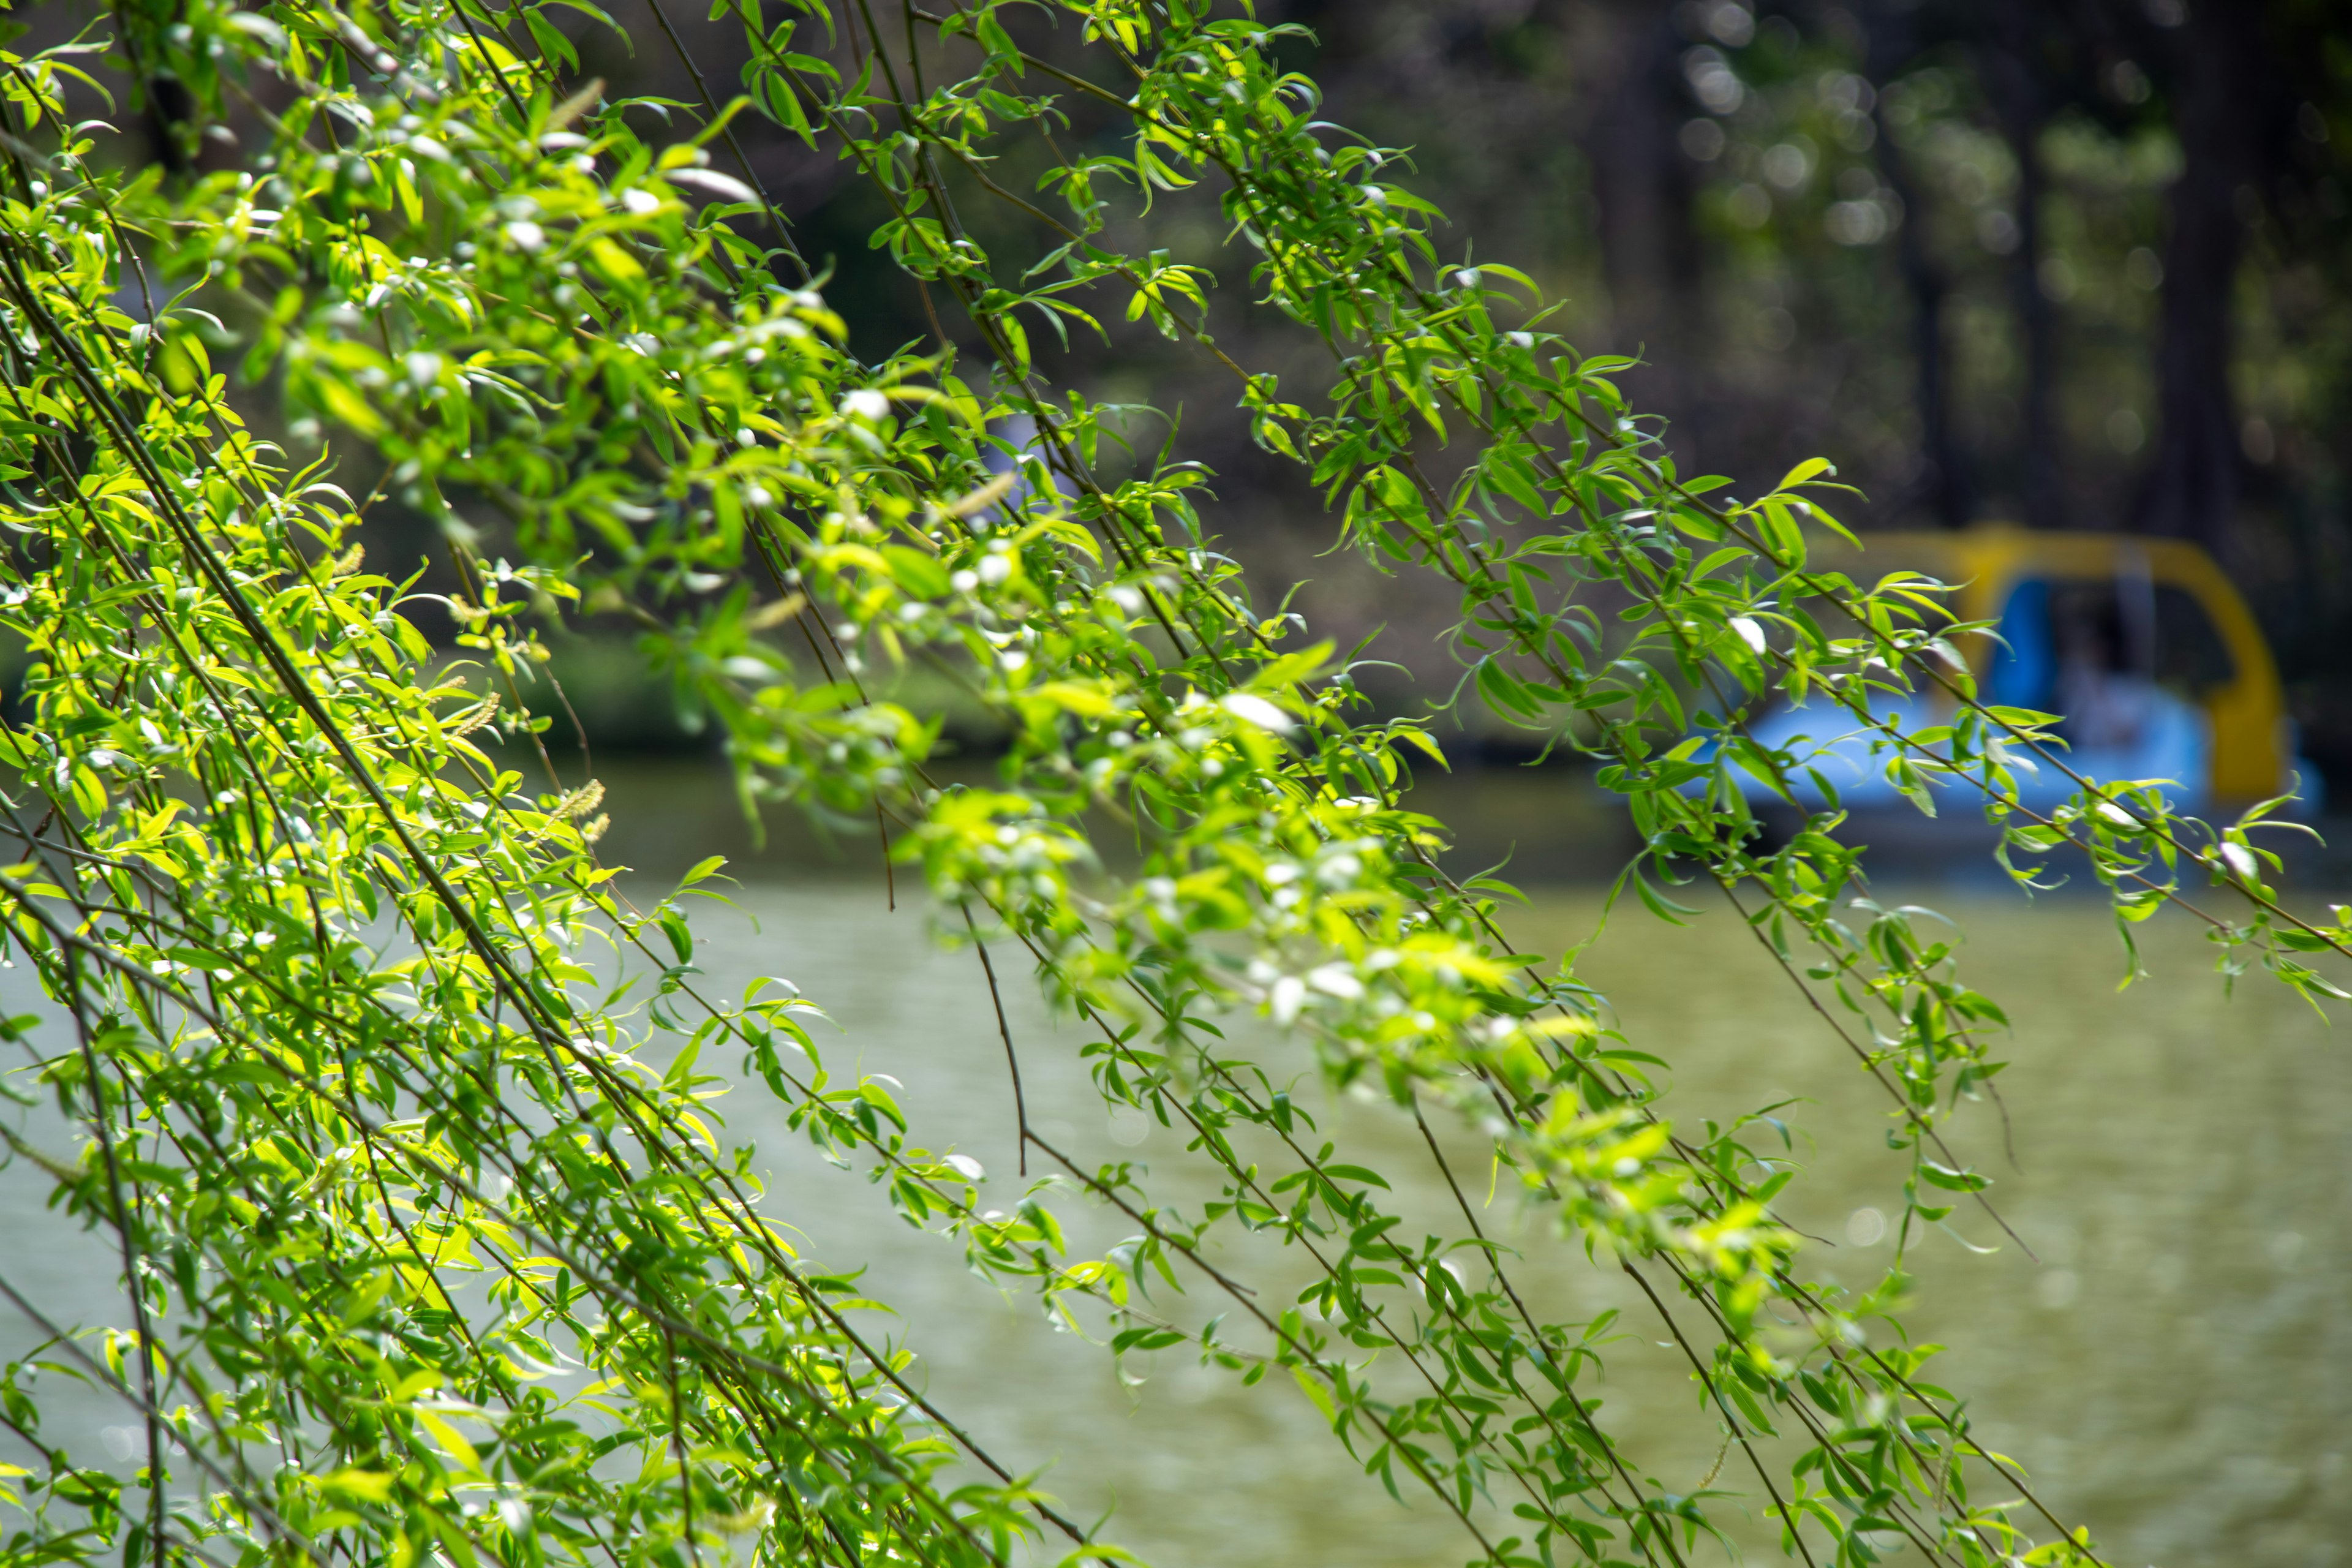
[(376, 1135)]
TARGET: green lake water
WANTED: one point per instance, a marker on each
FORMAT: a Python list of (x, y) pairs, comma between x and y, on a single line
[(2175, 1369)]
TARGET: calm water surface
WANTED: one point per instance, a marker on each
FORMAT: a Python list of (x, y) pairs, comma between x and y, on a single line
[(2175, 1368)]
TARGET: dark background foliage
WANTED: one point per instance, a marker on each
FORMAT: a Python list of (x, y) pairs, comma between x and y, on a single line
[(2067, 263)]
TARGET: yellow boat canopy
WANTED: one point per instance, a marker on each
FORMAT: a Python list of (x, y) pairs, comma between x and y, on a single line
[(2184, 620)]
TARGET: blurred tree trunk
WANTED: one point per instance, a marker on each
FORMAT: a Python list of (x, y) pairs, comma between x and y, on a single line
[(1945, 486), (2216, 90), (2016, 75), (1649, 248)]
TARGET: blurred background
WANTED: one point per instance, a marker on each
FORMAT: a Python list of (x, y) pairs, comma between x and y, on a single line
[(2071, 264), (2066, 264)]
